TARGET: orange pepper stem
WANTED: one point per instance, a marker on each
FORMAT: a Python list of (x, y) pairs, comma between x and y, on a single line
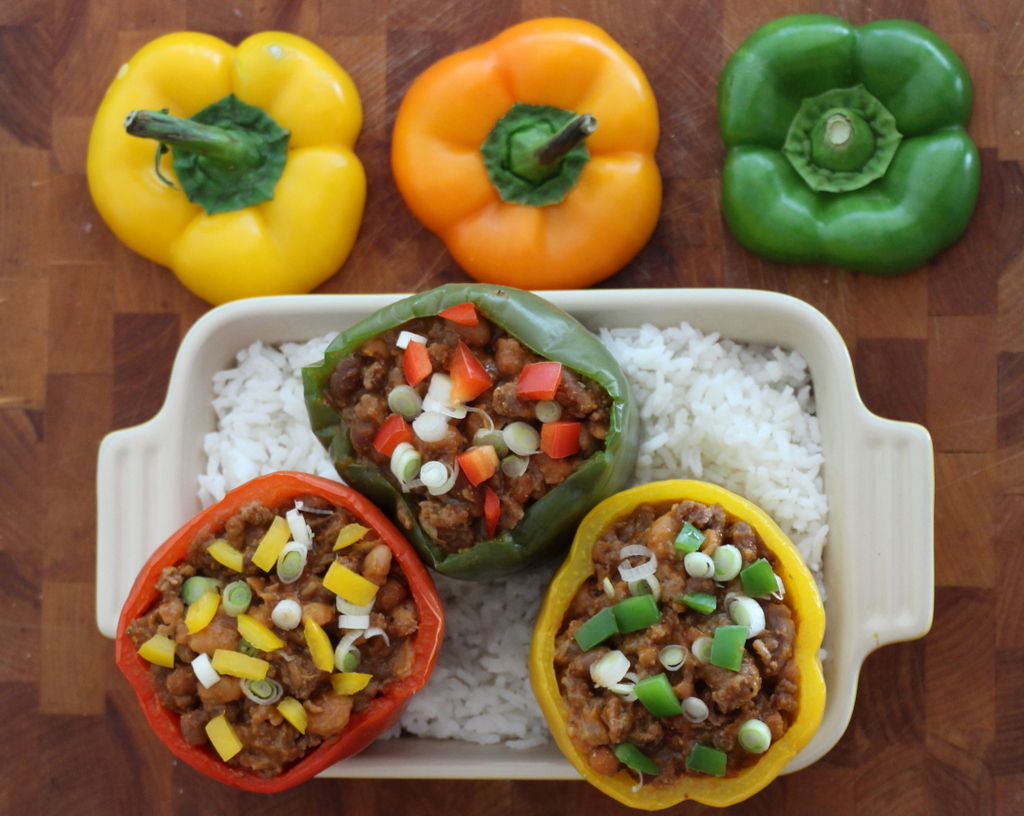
[(572, 134), (222, 145)]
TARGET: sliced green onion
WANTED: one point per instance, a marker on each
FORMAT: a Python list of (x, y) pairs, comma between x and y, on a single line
[(349, 608), (299, 529), (759, 578), (353, 622), (236, 598), (695, 709), (430, 426), (439, 397), (438, 477), (609, 669), (648, 585), (404, 400), (287, 614), (672, 657), (755, 736), (689, 539), (492, 437), (642, 570), (548, 411), (291, 562), (701, 649), (705, 759), (246, 648), (597, 628), (727, 647), (342, 661), (198, 585), (699, 602), (405, 462), (608, 587), (634, 759), (656, 693), (514, 466), (405, 336), (635, 613), (747, 612), (699, 565), (204, 671), (728, 561), (262, 692), (521, 438)]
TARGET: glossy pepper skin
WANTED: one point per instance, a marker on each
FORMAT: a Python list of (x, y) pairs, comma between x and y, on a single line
[(548, 523), (925, 198), (287, 245), (280, 490), (808, 615), (449, 111)]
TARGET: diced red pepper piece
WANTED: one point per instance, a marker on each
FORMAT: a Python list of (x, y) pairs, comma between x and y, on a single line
[(469, 377), (416, 362), (479, 463), (560, 439), (394, 430), (492, 511), (539, 381), (464, 314)]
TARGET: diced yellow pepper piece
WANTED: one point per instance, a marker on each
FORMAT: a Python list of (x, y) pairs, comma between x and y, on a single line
[(257, 634), (158, 649), (350, 682), (223, 737), (239, 665), (271, 544), (292, 710), (319, 644), (351, 586), (349, 535), (201, 612), (223, 553)]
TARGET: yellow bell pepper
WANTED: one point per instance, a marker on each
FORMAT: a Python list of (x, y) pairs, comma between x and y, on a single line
[(347, 683), (288, 244), (258, 635), (199, 614), (320, 649), (223, 553), (270, 546), (223, 737), (351, 586), (292, 710), (808, 615), (236, 664), (159, 649)]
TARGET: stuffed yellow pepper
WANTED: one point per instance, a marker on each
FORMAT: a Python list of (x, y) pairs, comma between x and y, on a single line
[(676, 653), (232, 166)]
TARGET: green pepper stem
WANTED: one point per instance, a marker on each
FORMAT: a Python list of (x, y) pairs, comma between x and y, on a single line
[(222, 145), (572, 133), (838, 130)]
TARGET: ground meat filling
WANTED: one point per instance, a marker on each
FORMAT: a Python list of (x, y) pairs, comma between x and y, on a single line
[(359, 387), (764, 687), (270, 743)]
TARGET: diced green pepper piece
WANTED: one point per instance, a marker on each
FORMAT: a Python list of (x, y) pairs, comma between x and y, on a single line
[(655, 692), (727, 647), (689, 539), (635, 613), (699, 601), (598, 628), (635, 759), (705, 759), (759, 578)]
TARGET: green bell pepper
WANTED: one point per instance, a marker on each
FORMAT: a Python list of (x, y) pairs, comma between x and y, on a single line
[(549, 523), (847, 145)]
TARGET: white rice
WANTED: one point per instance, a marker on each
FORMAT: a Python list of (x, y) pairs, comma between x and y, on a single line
[(739, 416)]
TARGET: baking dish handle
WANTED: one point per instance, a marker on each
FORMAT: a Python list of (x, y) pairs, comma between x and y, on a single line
[(892, 498), (137, 468)]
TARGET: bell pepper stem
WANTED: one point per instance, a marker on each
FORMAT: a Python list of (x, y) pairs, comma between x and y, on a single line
[(222, 145), (838, 130), (575, 131)]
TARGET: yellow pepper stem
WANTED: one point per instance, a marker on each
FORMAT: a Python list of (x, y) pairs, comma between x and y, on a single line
[(572, 134), (231, 147)]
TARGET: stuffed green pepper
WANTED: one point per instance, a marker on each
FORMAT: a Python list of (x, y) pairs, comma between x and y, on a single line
[(484, 419)]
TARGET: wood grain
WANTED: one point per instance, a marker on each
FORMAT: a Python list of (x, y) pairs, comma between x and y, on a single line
[(89, 331)]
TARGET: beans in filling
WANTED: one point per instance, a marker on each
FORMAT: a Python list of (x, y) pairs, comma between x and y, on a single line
[(301, 701), (459, 417), (686, 671)]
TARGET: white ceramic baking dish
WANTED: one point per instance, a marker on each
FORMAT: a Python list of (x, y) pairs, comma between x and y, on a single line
[(878, 474)]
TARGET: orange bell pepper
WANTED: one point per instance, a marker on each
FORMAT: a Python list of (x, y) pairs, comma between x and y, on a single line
[(452, 109)]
